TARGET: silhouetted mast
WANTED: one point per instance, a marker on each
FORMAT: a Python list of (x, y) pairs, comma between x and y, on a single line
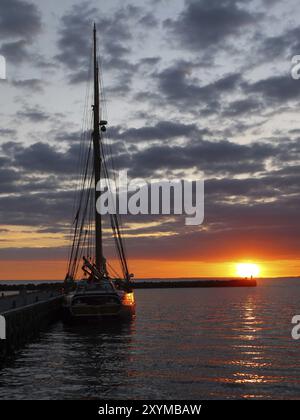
[(84, 228), (97, 158)]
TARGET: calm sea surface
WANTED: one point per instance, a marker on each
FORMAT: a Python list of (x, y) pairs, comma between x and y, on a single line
[(184, 343)]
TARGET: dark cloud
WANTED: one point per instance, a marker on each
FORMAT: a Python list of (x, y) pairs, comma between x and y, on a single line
[(241, 107), (75, 37), (203, 24), (8, 132), (260, 208), (223, 157), (80, 76), (123, 80), (149, 61), (285, 45), (177, 85), (252, 189), (275, 89), (148, 20), (42, 209), (32, 85), (164, 130), (19, 19), (23, 254), (20, 22), (33, 114), (43, 158), (66, 136), (115, 39), (252, 192), (8, 180), (269, 2), (16, 51), (116, 50)]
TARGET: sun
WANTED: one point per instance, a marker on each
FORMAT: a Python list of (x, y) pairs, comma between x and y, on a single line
[(247, 270)]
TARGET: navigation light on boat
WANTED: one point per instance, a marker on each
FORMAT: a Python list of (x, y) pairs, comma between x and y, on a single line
[(128, 299)]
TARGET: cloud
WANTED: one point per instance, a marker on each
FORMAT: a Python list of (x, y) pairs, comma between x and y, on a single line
[(75, 36), (177, 84), (207, 24), (267, 186), (241, 107), (148, 20), (43, 158), (163, 130), (40, 209), (32, 85), (261, 208), (275, 89), (19, 19), (252, 198), (33, 114), (20, 23), (272, 47), (8, 132), (150, 61), (115, 39), (8, 178), (16, 51), (222, 157)]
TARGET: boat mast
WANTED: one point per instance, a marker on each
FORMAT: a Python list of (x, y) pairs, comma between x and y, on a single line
[(97, 159)]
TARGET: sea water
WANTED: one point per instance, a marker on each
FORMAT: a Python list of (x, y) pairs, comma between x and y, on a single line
[(184, 343)]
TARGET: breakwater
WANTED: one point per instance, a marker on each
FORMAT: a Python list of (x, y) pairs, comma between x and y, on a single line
[(165, 284), (142, 284), (25, 315)]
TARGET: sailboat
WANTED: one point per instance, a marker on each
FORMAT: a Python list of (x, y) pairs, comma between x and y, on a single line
[(97, 291)]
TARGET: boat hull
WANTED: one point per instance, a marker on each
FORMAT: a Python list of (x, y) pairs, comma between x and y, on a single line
[(122, 316), (97, 308)]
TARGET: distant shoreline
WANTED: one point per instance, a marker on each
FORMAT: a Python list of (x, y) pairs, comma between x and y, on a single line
[(153, 283), (157, 279), (143, 284), (165, 284)]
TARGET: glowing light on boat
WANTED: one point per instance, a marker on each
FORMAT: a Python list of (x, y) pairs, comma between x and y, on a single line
[(128, 299)]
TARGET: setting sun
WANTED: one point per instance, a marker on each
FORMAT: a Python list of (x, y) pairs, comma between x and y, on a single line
[(247, 270)]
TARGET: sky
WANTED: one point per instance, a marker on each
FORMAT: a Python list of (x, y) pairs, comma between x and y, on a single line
[(191, 87)]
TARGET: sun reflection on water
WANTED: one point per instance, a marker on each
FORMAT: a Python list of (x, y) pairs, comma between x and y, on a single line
[(251, 356)]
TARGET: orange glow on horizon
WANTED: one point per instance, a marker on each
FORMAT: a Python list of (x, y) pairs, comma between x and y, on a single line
[(56, 270), (219, 260)]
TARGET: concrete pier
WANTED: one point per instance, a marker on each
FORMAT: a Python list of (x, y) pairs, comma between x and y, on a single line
[(25, 315), (173, 284)]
